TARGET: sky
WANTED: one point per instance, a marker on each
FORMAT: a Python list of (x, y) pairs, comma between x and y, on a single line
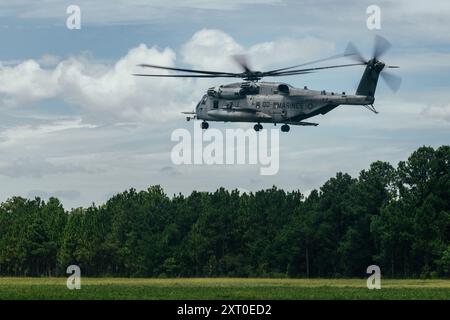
[(76, 125)]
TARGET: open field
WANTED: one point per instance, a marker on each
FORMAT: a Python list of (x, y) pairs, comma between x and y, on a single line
[(115, 288)]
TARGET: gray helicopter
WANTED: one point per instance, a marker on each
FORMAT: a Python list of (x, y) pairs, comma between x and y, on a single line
[(275, 102)]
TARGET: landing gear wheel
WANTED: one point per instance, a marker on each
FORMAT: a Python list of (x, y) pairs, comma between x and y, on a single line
[(205, 125), (258, 127), (285, 128)]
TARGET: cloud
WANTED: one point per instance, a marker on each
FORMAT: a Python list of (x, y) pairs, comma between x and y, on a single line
[(37, 168), (97, 87), (115, 91), (123, 11), (60, 194), (35, 151), (213, 49), (112, 91), (26, 133), (25, 83), (290, 50), (170, 171), (423, 61), (438, 112), (49, 60)]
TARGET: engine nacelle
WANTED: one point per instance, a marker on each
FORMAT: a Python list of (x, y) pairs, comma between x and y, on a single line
[(249, 88), (212, 92), (225, 93)]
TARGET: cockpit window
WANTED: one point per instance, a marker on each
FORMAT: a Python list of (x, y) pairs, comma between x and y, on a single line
[(204, 100)]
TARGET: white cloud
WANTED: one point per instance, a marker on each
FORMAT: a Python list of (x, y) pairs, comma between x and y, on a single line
[(438, 112), (49, 60), (289, 50), (116, 91), (212, 49), (111, 90), (20, 134), (25, 83)]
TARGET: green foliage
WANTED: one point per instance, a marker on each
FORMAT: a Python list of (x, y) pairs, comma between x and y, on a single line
[(398, 218)]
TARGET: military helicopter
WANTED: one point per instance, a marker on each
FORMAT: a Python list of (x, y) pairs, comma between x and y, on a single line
[(280, 103)]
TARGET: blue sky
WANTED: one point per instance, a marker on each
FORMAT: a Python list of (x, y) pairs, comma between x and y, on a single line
[(74, 124)]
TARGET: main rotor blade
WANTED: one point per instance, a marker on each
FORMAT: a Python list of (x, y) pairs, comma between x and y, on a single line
[(381, 46), (242, 61), (315, 69), (288, 73), (187, 75), (184, 70), (354, 53), (392, 80), (340, 55)]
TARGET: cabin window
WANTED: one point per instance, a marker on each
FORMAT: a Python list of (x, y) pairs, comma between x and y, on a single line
[(216, 104), (258, 104)]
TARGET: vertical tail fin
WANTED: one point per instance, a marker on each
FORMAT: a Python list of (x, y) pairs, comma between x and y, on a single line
[(369, 80)]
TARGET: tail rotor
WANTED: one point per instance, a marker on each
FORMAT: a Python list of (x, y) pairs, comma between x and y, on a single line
[(374, 67)]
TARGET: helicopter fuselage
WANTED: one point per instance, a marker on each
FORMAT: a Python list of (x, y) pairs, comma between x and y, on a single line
[(269, 102)]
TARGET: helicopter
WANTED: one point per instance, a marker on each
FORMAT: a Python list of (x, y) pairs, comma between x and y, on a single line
[(278, 102)]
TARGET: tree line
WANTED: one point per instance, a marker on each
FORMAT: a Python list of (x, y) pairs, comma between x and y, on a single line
[(397, 218)]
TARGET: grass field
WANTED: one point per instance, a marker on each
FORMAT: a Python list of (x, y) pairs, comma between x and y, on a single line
[(114, 288)]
